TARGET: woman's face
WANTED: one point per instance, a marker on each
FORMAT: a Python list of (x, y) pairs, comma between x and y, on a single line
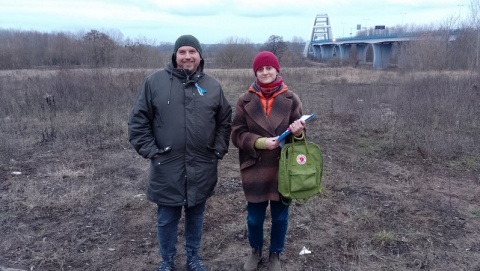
[(266, 74)]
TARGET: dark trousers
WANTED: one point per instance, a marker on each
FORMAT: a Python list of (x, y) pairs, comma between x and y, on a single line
[(168, 218), (256, 219)]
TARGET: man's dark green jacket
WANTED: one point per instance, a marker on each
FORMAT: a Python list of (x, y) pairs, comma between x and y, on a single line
[(182, 123)]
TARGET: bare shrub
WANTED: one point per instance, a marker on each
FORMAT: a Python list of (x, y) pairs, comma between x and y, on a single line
[(72, 106), (426, 53), (434, 112), (439, 113), (431, 112)]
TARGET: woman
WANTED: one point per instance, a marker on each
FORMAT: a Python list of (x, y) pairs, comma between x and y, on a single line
[(265, 111)]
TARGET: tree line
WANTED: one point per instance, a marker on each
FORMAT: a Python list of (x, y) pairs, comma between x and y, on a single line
[(96, 49)]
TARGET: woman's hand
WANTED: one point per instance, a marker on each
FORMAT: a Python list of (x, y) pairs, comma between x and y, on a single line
[(271, 143), (297, 127)]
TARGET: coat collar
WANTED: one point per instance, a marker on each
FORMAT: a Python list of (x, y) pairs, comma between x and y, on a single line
[(183, 74), (280, 110)]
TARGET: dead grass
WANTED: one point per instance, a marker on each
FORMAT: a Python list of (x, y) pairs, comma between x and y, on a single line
[(401, 162)]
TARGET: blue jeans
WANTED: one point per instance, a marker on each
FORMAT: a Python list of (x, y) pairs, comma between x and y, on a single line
[(167, 229), (256, 219)]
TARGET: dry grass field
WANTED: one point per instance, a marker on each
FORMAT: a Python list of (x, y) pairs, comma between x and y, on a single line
[(401, 174)]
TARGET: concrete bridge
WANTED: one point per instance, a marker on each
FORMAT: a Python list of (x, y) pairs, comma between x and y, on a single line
[(322, 45)]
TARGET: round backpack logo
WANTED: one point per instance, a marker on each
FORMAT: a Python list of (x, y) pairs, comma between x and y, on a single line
[(301, 159)]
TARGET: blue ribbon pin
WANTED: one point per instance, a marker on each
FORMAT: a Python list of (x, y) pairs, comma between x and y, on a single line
[(201, 91)]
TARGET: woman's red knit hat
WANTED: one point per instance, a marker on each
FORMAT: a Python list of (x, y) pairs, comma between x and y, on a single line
[(265, 58)]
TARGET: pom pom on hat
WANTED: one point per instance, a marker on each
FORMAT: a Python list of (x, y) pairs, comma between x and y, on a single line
[(265, 58)]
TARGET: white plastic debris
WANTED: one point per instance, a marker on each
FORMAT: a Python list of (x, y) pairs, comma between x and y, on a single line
[(16, 173), (305, 251)]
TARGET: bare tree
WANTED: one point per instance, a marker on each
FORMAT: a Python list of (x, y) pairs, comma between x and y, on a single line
[(235, 53), (63, 50), (293, 55), (276, 45), (100, 47), (475, 22), (297, 45), (135, 54)]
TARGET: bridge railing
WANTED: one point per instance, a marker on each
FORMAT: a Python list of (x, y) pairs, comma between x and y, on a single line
[(389, 36), (366, 37)]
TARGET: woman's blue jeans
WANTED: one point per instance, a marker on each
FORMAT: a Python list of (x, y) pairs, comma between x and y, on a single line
[(256, 219), (168, 218)]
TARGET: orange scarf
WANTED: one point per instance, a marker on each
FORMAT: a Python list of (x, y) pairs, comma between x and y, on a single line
[(267, 103)]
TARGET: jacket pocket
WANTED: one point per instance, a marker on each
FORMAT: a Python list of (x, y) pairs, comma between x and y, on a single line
[(248, 163)]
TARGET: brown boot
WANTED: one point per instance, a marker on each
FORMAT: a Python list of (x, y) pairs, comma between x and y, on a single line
[(274, 262), (253, 260)]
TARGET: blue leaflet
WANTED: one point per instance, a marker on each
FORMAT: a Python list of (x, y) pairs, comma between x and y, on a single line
[(287, 132), (201, 91)]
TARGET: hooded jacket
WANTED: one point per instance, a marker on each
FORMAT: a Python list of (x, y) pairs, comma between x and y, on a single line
[(186, 120)]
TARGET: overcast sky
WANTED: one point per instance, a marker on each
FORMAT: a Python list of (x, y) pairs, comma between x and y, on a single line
[(214, 21)]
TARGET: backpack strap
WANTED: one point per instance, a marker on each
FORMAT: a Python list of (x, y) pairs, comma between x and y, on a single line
[(306, 150)]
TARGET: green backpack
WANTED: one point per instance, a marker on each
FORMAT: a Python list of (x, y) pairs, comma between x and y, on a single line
[(300, 170)]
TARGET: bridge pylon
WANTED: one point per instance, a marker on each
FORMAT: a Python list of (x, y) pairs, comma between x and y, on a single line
[(321, 30)]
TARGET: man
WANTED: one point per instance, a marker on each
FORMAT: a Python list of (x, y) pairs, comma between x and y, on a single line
[(181, 121)]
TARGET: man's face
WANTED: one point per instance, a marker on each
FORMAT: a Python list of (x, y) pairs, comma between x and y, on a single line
[(188, 58)]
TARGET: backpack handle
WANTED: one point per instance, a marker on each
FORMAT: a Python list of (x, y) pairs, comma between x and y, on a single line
[(306, 149)]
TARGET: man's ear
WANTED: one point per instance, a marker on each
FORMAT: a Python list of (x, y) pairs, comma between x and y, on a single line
[(174, 60)]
